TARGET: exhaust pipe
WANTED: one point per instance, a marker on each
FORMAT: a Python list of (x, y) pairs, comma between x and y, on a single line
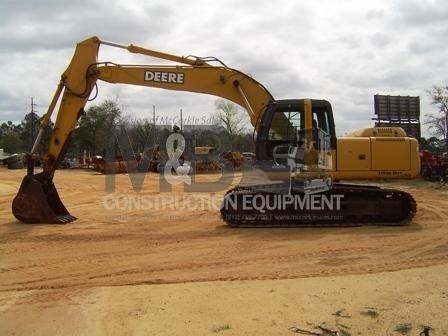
[(38, 200)]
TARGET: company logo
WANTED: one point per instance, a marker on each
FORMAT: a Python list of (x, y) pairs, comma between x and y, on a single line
[(174, 155), (132, 202), (164, 77), (175, 170), (263, 202)]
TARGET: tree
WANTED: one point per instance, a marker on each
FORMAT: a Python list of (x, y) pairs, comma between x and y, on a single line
[(7, 127), (204, 137), (432, 144), (231, 117), (30, 129), (10, 139), (245, 142), (11, 143), (95, 127), (19, 138), (142, 134), (438, 125)]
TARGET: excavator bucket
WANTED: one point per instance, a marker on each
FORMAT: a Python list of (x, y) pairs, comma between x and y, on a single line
[(38, 202)]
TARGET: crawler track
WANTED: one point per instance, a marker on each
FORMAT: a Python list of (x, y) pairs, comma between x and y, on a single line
[(343, 205)]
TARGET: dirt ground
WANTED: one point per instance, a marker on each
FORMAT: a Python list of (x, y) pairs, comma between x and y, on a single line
[(150, 263)]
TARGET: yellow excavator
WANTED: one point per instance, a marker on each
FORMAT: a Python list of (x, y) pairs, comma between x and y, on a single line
[(296, 147)]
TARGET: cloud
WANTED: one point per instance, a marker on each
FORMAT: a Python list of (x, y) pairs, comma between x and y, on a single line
[(342, 51), (52, 24), (420, 13)]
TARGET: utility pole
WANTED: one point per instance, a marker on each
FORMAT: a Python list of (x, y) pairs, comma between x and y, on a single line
[(32, 121), (154, 124), (181, 125)]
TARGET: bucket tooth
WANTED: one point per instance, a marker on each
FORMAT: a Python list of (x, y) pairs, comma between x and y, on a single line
[(66, 219)]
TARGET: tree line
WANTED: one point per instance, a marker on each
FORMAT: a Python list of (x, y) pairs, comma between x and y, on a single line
[(230, 132), (99, 123), (437, 124)]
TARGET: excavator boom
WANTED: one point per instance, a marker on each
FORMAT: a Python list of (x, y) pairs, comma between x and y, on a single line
[(38, 200)]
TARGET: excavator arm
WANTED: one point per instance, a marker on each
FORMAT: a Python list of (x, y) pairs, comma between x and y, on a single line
[(79, 80), (218, 81), (37, 199)]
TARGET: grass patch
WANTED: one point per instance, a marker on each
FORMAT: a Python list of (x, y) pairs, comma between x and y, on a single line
[(340, 313), (221, 328), (404, 328), (371, 313), (344, 332)]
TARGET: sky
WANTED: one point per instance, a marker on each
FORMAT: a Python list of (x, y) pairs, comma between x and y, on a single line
[(342, 51)]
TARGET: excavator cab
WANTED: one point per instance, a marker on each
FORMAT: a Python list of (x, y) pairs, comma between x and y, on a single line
[(295, 122), (297, 136)]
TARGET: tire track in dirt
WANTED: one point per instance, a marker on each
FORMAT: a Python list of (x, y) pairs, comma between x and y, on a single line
[(96, 251), (170, 274)]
